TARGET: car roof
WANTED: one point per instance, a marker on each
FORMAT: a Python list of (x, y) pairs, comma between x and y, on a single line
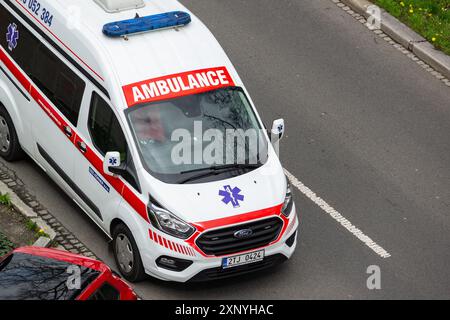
[(25, 275), (66, 257), (153, 54)]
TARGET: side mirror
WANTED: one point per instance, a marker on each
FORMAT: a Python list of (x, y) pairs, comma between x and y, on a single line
[(277, 132), (111, 162)]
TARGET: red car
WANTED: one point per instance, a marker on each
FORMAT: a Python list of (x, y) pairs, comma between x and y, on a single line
[(33, 273)]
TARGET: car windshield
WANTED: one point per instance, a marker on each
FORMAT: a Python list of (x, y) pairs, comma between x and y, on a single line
[(29, 277), (179, 139)]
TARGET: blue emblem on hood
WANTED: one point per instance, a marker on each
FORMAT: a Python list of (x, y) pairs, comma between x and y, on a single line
[(12, 36), (231, 195)]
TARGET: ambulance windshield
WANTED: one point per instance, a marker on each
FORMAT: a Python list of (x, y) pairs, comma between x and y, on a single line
[(199, 138)]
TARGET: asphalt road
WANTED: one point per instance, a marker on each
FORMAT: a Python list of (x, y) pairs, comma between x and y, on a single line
[(367, 130)]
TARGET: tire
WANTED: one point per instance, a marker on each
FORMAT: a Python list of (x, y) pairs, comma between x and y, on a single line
[(10, 148), (125, 249)]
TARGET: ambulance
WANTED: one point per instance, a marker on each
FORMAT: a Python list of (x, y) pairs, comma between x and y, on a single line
[(125, 104)]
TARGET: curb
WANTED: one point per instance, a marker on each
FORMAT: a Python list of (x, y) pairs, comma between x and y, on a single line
[(28, 212), (404, 35), (27, 204)]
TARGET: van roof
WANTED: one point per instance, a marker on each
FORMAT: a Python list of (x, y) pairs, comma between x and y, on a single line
[(147, 55)]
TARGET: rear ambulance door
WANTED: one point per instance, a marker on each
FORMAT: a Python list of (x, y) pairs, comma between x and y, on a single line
[(21, 111), (101, 131), (58, 91)]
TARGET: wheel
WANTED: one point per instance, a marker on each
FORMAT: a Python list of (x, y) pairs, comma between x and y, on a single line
[(127, 255), (10, 148)]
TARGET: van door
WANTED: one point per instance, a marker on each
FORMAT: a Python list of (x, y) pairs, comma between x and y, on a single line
[(58, 91), (20, 105), (99, 131)]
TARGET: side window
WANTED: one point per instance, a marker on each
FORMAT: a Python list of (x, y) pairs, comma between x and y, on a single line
[(58, 82), (44, 61), (105, 129), (55, 79), (25, 43), (107, 135), (106, 292)]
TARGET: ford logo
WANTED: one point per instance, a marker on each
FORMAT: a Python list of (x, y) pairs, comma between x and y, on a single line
[(242, 234)]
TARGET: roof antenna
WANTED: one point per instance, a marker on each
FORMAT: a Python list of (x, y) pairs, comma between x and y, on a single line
[(137, 16)]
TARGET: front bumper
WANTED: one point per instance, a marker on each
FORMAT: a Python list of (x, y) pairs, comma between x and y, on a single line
[(206, 268)]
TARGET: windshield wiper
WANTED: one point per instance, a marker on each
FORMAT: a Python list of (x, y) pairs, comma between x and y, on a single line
[(214, 170)]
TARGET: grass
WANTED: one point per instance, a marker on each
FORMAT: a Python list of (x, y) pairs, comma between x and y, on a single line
[(5, 200), (32, 226), (5, 245), (430, 18)]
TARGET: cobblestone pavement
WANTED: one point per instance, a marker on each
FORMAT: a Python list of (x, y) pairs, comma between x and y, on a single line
[(64, 238)]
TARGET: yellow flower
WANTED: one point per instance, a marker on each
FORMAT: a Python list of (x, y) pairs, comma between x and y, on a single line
[(411, 10), (433, 39), (402, 3)]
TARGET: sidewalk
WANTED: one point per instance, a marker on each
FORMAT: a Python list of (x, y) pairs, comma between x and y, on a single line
[(16, 230)]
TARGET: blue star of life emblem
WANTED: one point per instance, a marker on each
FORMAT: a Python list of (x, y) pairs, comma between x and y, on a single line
[(231, 195), (113, 161), (12, 36), (280, 128)]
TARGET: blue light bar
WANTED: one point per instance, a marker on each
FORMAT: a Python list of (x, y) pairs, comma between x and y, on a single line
[(143, 24)]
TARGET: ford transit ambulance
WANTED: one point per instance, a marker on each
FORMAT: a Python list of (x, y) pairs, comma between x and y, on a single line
[(129, 106)]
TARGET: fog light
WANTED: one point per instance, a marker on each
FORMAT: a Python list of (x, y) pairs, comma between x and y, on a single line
[(173, 264), (291, 240)]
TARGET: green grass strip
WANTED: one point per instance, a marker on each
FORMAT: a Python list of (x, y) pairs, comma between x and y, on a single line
[(5, 245), (430, 18)]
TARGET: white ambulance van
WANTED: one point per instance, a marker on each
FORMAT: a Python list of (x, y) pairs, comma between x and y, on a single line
[(105, 95)]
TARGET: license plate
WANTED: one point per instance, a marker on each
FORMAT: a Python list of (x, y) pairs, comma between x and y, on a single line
[(242, 259)]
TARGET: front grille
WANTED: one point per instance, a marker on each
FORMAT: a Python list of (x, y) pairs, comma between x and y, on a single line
[(219, 273), (222, 241)]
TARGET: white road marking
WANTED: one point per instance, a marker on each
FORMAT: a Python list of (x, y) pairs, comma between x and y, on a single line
[(337, 216)]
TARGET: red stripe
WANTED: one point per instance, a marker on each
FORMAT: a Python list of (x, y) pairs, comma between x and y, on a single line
[(201, 226), (156, 238), (18, 1), (47, 108), (15, 71), (150, 233), (285, 225)]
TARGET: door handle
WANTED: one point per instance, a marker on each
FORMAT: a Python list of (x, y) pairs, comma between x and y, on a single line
[(82, 146), (68, 131)]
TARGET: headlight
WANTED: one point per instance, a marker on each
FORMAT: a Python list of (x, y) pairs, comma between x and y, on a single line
[(165, 221), (288, 201)]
